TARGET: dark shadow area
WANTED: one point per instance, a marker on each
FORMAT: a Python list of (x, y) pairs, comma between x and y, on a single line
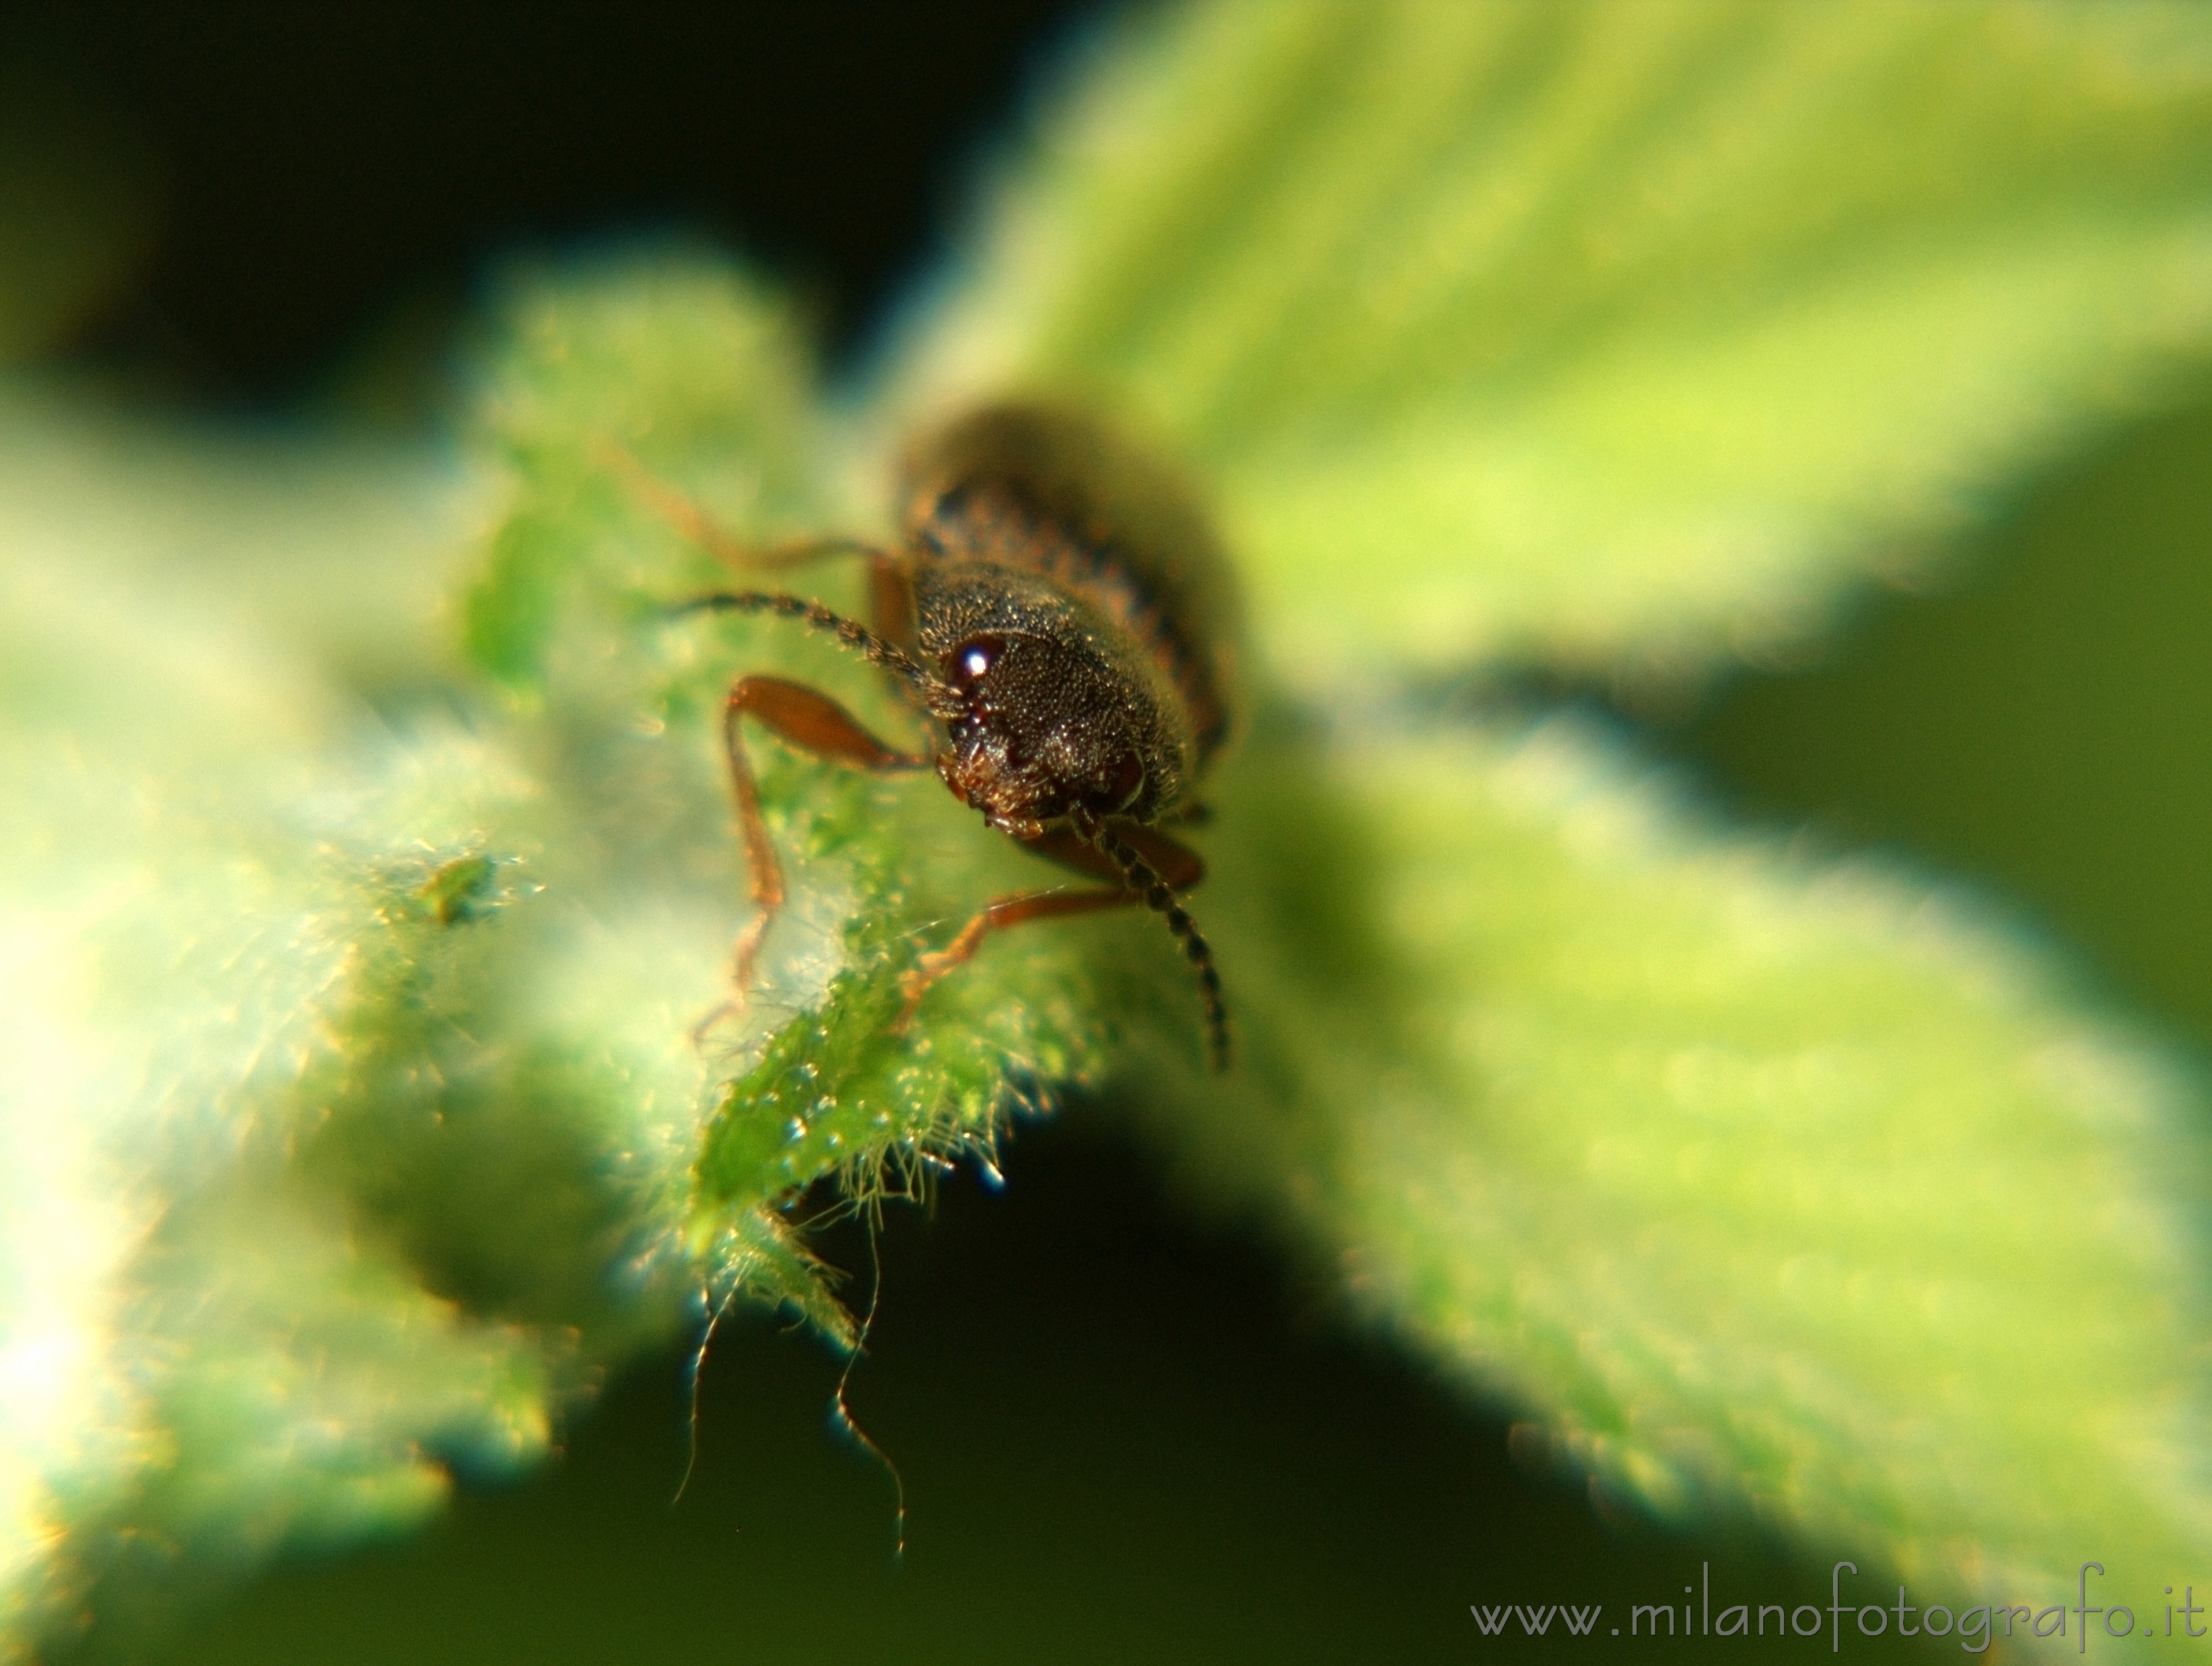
[(2044, 726), (336, 173), (1122, 1435), (2034, 723)]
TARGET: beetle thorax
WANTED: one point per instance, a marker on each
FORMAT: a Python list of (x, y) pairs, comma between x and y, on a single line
[(1046, 711)]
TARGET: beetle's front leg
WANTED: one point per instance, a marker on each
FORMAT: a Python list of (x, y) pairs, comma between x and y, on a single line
[(814, 723)]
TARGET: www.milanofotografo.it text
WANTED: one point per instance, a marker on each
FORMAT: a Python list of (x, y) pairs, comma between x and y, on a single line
[(1849, 1615)]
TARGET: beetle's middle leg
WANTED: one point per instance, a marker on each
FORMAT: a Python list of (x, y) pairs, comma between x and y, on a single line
[(814, 723), (890, 591), (1179, 867), (695, 521), (1000, 915)]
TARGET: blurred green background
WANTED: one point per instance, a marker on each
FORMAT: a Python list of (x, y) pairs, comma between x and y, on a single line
[(1088, 1388)]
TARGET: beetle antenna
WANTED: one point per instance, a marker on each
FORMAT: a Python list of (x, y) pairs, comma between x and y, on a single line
[(877, 650), (1141, 877)]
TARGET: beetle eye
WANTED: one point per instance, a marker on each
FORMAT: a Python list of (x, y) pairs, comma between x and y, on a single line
[(971, 661)]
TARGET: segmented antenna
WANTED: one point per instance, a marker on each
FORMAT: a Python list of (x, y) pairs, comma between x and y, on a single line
[(1141, 877), (854, 634)]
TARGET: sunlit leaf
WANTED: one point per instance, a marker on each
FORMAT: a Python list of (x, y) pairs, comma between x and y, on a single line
[(1751, 1179), (1595, 334), (376, 1078), (258, 1001)]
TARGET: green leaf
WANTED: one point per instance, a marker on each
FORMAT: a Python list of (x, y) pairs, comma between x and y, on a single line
[(816, 1079), (668, 358), (304, 552), (1758, 1181), (215, 1341), (1753, 1180), (312, 1189), (1596, 334), (372, 1080)]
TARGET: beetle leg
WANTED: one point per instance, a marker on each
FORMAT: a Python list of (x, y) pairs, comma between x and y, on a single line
[(692, 520), (891, 599), (815, 724), (1179, 867), (1002, 914)]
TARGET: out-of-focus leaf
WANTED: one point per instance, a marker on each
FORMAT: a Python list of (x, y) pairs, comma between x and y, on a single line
[(681, 365), (1757, 1181), (328, 549), (314, 1189), (209, 1344), (362, 1118), (1588, 332), (1753, 1180)]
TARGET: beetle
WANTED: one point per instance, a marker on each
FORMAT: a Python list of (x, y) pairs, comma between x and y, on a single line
[(1061, 616)]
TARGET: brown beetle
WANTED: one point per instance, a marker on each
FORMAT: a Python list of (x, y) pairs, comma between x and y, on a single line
[(1061, 615)]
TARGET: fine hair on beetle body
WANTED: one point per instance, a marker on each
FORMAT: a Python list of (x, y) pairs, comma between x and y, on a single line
[(1059, 613)]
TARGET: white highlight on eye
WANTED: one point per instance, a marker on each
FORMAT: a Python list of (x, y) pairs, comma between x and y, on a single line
[(975, 662)]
